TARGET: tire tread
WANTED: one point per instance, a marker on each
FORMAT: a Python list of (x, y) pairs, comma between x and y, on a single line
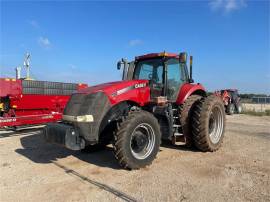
[(199, 119), (120, 135)]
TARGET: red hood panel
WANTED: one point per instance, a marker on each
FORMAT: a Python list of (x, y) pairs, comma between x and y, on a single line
[(119, 91), (130, 91), (111, 87)]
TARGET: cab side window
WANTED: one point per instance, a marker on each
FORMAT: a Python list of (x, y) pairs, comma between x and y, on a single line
[(175, 78), (146, 71), (151, 70)]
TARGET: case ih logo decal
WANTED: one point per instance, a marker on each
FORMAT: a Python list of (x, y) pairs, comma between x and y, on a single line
[(124, 90), (140, 85)]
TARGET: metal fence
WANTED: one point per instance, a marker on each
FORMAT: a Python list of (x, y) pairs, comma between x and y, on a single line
[(256, 104), (261, 100)]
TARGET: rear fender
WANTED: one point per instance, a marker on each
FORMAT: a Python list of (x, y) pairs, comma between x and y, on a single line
[(189, 89)]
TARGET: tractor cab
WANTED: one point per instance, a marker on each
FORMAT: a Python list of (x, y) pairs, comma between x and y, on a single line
[(233, 93), (166, 73)]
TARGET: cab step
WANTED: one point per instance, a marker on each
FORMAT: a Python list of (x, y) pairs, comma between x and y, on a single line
[(177, 138)]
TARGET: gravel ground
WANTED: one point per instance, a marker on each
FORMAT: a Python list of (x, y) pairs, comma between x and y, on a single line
[(32, 170)]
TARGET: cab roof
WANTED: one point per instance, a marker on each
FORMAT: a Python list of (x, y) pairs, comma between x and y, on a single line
[(155, 55)]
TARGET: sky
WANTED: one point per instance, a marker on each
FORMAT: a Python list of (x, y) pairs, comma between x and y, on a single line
[(81, 41)]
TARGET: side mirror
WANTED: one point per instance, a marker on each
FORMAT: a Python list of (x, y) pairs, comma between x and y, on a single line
[(119, 63), (123, 62)]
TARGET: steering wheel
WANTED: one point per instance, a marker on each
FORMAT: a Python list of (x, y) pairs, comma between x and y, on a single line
[(150, 77)]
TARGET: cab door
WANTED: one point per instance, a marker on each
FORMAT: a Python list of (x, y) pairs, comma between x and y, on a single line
[(153, 71), (176, 77)]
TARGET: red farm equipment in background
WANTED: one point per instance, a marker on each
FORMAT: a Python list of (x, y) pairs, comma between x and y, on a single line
[(29, 102), (231, 100)]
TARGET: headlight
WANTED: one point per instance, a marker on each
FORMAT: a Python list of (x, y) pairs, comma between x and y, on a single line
[(84, 118)]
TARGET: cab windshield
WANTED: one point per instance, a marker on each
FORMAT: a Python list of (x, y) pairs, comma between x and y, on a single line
[(154, 71), (150, 70)]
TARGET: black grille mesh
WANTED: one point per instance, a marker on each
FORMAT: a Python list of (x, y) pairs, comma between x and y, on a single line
[(74, 104)]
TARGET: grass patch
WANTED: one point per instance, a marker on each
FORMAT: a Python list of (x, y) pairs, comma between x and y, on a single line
[(254, 113)]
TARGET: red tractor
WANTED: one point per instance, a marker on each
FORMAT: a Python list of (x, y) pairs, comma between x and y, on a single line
[(156, 100), (231, 99)]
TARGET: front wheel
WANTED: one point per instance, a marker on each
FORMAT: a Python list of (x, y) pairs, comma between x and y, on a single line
[(137, 140), (208, 123)]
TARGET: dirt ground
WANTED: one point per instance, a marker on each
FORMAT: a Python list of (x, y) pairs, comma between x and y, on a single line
[(32, 170)]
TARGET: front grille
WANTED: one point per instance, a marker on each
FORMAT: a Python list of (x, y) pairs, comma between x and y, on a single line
[(74, 104), (95, 104)]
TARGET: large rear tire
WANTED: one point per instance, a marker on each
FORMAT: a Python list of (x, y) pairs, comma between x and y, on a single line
[(185, 117), (208, 123), (137, 140)]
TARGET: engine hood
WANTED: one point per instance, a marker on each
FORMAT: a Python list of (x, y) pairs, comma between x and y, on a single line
[(112, 87), (118, 91)]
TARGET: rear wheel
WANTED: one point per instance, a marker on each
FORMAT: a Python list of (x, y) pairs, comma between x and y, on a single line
[(137, 140), (208, 123), (185, 117)]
